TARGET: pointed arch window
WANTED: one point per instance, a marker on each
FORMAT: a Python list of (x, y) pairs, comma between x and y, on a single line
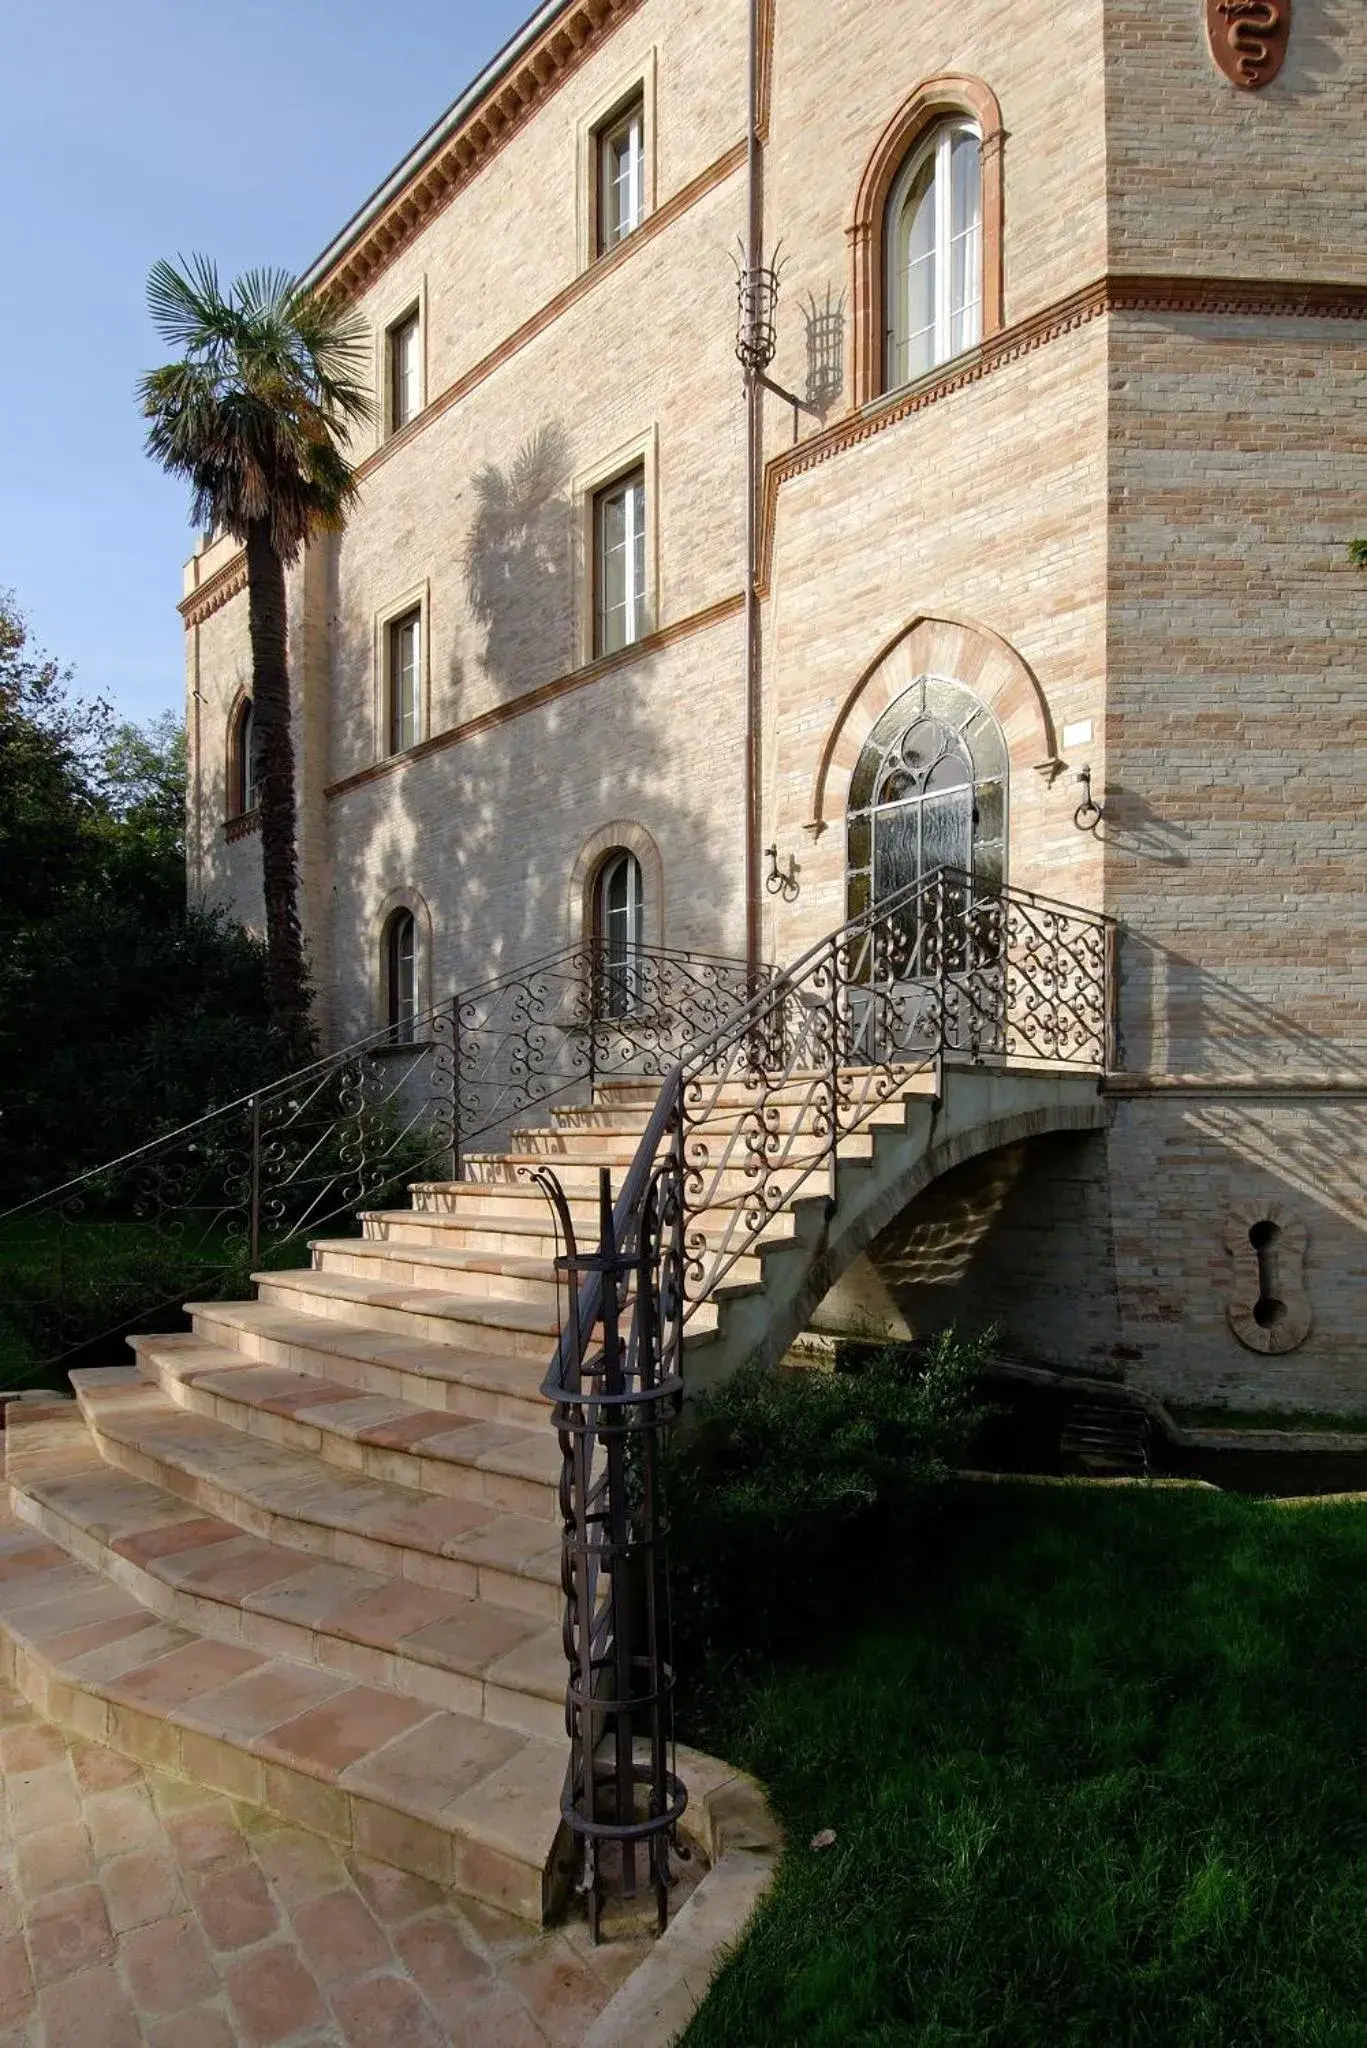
[(401, 976), (618, 920), (934, 257), (242, 788)]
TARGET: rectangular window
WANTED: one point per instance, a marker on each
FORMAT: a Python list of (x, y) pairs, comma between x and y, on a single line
[(621, 175), (405, 681), (619, 538), (405, 371)]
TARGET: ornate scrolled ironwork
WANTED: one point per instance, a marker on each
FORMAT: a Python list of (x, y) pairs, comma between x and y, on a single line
[(752, 1112)]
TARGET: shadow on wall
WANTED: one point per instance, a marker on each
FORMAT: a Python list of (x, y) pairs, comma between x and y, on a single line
[(1020, 1237), (1178, 1016), (489, 830)]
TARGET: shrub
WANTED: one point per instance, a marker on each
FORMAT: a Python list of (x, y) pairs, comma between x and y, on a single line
[(787, 1485)]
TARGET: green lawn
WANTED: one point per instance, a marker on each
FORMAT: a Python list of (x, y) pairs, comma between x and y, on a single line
[(1098, 1775)]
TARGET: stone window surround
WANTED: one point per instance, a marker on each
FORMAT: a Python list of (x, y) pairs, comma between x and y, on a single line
[(377, 954), (933, 100), (417, 598), (394, 311), (237, 821), (638, 83), (619, 835), (643, 454)]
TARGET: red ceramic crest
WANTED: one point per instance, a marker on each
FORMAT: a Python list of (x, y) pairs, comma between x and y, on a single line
[(1248, 38)]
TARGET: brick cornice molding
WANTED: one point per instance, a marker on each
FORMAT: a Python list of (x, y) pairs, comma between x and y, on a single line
[(503, 111), (1118, 292), (241, 825), (215, 591), (544, 693)]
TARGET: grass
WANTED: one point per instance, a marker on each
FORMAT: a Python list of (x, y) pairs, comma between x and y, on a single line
[(1354, 1424), (1096, 1774)]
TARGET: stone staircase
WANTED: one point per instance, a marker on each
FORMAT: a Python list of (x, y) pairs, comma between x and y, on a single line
[(309, 1553)]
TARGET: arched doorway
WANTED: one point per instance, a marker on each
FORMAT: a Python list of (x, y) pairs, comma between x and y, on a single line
[(928, 791)]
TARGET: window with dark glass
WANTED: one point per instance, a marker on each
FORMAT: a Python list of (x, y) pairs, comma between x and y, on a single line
[(404, 681), (405, 371), (242, 793), (401, 983), (935, 253), (619, 546), (621, 175), (617, 920)]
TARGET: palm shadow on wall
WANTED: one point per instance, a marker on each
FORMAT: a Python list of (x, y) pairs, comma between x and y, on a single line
[(489, 829)]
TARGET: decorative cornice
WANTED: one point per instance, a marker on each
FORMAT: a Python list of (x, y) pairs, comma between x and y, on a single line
[(215, 591), (545, 693), (504, 110), (605, 266), (1118, 292)]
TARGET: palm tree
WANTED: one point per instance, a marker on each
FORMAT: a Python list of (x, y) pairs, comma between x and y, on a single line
[(256, 413)]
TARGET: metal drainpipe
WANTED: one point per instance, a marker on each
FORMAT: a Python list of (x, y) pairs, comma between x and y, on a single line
[(754, 246)]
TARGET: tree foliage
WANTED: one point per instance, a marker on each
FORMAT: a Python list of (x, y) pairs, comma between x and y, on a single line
[(122, 1012)]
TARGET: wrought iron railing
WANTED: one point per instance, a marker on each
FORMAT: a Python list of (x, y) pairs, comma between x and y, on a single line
[(195, 1211), (748, 1118), (555, 1028)]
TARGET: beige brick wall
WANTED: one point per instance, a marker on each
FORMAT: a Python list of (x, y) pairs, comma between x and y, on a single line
[(1145, 516)]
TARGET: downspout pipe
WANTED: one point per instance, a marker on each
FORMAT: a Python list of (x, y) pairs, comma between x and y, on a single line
[(754, 402)]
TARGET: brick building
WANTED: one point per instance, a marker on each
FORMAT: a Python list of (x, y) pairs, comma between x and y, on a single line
[(1079, 324)]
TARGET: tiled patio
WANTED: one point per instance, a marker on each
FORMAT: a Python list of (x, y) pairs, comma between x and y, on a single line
[(136, 1908)]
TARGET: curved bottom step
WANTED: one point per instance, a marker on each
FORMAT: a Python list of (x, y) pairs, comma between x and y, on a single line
[(457, 1800)]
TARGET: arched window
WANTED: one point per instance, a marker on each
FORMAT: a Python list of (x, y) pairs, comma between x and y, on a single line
[(401, 975), (617, 920), (928, 791), (934, 257), (241, 762)]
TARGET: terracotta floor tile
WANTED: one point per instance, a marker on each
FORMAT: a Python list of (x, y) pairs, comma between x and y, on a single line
[(299, 1865), (102, 1770), (409, 1430), (142, 1886), (425, 1524), (273, 1996), (234, 1905), (122, 1820), (35, 1558), (397, 1609), (52, 1858), (205, 1838), (69, 1931), (499, 2021), (393, 1896), (279, 1691), (333, 1736), (443, 1964), (230, 1570), (201, 2026), (474, 1638), (562, 1993), (186, 1673), (434, 1764), (90, 2010), (167, 1965), (338, 1938), (100, 1667), (72, 1643), (42, 1799), (497, 1933), (16, 1980), (386, 2012), (29, 1747)]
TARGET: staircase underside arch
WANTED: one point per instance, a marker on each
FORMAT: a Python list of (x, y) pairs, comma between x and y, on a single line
[(982, 1110)]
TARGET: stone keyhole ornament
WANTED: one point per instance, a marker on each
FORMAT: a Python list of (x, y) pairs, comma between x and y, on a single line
[(1269, 1310)]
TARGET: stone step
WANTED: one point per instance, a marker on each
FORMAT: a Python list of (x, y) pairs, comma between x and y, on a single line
[(917, 1079), (500, 1276), (201, 1572), (495, 1226), (578, 1131), (519, 1329), (508, 1464), (522, 1329), (727, 1177), (484, 1385), (292, 1499)]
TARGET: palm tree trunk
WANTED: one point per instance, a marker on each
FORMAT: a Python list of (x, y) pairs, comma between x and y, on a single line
[(273, 743)]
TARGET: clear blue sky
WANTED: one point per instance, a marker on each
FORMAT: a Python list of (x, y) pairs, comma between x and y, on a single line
[(141, 129)]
